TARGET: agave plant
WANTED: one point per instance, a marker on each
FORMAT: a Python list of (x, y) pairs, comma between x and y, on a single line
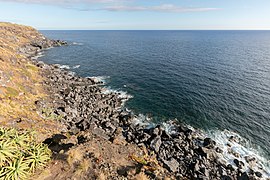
[(38, 156), (20, 155), (21, 139), (15, 170), (8, 133), (7, 152), (2, 132), (31, 135)]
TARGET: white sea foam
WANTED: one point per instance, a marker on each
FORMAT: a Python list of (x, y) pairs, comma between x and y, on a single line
[(108, 90), (99, 79), (71, 73), (48, 48), (76, 66), (77, 43), (67, 67), (144, 121), (169, 127), (232, 144), (121, 94), (40, 54), (124, 96), (64, 67), (236, 147)]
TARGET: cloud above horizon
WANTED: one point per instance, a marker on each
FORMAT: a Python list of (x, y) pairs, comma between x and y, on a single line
[(159, 8), (108, 6), (137, 14), (61, 1)]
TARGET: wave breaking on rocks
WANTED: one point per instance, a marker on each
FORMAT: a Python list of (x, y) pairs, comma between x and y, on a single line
[(85, 104)]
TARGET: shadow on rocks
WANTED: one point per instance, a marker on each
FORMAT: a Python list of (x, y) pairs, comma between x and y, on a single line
[(55, 143)]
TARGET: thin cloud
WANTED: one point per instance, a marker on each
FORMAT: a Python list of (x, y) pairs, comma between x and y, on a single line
[(161, 8), (102, 22), (72, 4), (61, 1)]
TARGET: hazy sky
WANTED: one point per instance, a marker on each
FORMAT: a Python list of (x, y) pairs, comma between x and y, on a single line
[(138, 14)]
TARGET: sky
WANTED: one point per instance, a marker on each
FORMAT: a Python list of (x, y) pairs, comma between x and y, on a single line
[(138, 14)]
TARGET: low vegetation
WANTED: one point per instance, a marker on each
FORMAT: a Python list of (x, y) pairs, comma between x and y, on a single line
[(48, 114), (146, 162), (20, 81)]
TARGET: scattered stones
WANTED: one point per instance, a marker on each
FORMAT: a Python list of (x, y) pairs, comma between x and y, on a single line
[(243, 176), (172, 164), (101, 133), (156, 143), (251, 160), (209, 143), (236, 162), (258, 174)]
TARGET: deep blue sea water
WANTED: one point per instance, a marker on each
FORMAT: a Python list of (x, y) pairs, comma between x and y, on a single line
[(213, 80)]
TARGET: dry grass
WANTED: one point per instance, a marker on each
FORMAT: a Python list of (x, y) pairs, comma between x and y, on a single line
[(82, 168), (75, 156), (101, 176), (141, 176), (20, 80)]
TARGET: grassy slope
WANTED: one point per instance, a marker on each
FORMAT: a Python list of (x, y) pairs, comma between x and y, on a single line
[(20, 80)]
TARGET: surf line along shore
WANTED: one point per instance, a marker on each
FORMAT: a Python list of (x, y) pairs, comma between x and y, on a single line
[(90, 114)]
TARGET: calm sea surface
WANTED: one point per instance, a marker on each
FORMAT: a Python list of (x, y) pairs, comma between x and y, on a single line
[(208, 79)]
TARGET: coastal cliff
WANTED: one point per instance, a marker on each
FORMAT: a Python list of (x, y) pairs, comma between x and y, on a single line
[(89, 132)]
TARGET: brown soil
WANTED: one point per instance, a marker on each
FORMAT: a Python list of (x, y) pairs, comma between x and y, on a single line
[(95, 159)]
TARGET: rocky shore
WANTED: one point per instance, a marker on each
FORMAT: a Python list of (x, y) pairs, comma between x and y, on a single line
[(83, 106), (91, 115)]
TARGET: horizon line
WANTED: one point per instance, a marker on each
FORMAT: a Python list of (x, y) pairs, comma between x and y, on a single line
[(153, 29)]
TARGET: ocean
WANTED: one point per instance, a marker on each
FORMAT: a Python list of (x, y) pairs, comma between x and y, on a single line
[(217, 81)]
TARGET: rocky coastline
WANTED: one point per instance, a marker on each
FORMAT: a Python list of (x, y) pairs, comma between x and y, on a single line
[(87, 111), (185, 153)]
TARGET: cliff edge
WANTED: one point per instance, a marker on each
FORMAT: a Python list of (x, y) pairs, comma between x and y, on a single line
[(21, 80)]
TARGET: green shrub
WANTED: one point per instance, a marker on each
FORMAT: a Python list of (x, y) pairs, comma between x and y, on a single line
[(11, 92), (48, 113)]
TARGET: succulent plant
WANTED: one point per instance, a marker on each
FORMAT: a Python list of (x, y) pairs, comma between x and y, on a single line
[(17, 169), (38, 156), (20, 154), (6, 152)]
